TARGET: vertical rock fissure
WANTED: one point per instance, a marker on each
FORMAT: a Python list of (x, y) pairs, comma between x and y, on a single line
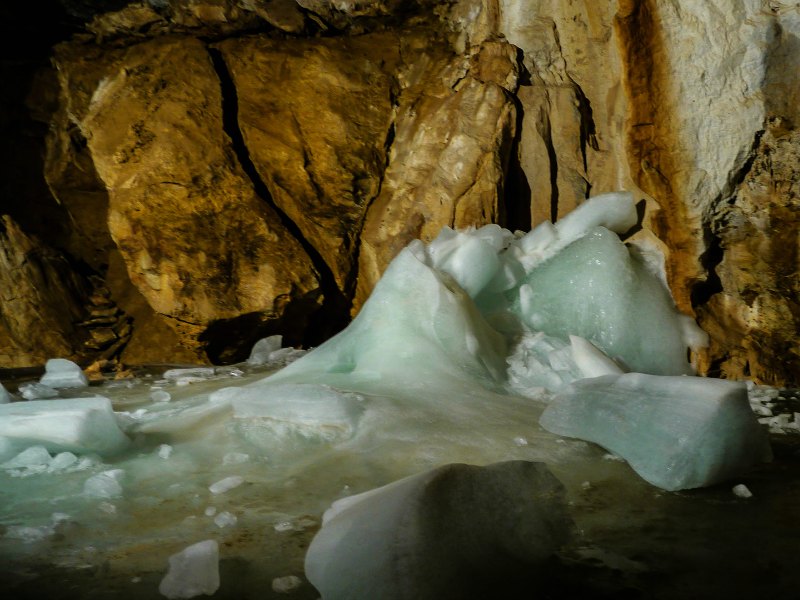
[(334, 312), (702, 291), (547, 137)]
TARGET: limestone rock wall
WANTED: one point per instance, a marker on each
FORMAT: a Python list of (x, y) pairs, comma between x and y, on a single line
[(232, 169)]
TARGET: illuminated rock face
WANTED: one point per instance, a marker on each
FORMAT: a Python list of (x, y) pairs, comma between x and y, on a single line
[(284, 169)]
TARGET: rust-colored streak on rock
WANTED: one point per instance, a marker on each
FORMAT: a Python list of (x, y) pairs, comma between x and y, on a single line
[(651, 140)]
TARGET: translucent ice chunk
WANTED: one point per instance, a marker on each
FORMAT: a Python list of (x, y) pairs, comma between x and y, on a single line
[(80, 425), (225, 485), (262, 349), (194, 373), (104, 485), (614, 211), (30, 457), (286, 584), (37, 391), (308, 410), (63, 373), (676, 432), (192, 571), (225, 519), (591, 360), (415, 538), (5, 395), (611, 300)]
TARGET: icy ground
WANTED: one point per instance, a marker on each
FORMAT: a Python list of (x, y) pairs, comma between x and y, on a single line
[(466, 351), (58, 542)]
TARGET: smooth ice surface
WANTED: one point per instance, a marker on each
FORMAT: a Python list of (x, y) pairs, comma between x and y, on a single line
[(439, 534), (193, 571), (62, 373), (676, 432), (80, 425)]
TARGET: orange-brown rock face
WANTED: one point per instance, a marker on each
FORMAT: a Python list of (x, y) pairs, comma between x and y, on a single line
[(455, 124), (197, 241), (316, 116)]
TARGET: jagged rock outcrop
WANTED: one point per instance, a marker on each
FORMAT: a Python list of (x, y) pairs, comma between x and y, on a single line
[(316, 117), (41, 300), (453, 134), (197, 241), (339, 131)]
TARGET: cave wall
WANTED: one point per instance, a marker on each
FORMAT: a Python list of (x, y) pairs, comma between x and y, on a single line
[(213, 171)]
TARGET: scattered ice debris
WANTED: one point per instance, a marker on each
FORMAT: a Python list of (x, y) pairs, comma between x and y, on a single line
[(105, 485), (520, 441), (225, 519), (287, 584), (28, 534), (210, 511), (160, 396), (388, 542), (37, 391), (63, 373), (192, 373), (164, 451), (262, 349), (676, 432), (79, 425), (192, 571), (235, 458), (225, 485), (283, 526), (741, 491), (5, 395)]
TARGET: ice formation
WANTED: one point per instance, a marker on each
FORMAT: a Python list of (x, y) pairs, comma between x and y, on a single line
[(5, 396), (63, 373), (452, 532), (676, 432), (192, 571), (80, 425)]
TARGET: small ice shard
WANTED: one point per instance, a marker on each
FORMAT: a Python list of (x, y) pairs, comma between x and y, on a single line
[(164, 451), (79, 425), (62, 461), (193, 373), (452, 532), (210, 511), (37, 391), (520, 441), (5, 395), (63, 373), (192, 571), (741, 491), (675, 432), (160, 396), (283, 526), (235, 458), (262, 349), (225, 519), (308, 410), (225, 485), (105, 484), (591, 360), (287, 584), (30, 457)]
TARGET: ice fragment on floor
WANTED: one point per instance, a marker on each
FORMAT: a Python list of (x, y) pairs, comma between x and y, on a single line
[(415, 538), (262, 349), (193, 373), (104, 485), (225, 519), (225, 485), (192, 571), (37, 391), (79, 425), (63, 373), (741, 491), (675, 432), (287, 584)]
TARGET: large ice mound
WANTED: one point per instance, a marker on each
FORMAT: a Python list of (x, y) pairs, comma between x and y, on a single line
[(458, 531)]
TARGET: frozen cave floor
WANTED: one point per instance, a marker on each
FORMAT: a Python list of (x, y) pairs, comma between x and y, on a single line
[(633, 540)]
